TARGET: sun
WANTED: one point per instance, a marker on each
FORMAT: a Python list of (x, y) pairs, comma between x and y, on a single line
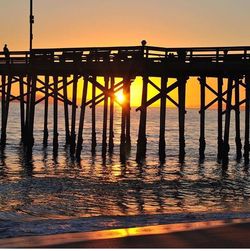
[(120, 97)]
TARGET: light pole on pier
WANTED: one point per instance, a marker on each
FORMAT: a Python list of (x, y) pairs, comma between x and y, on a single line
[(31, 23)]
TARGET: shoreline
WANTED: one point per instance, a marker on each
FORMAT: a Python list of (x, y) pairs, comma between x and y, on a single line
[(219, 233)]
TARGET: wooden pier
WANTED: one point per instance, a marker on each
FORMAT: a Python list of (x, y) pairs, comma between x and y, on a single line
[(50, 73)]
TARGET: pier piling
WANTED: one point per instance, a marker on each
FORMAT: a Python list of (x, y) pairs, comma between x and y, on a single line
[(22, 109), (93, 116), (123, 128), (29, 79), (66, 110), (111, 117), (142, 140), (31, 116), (237, 121), (162, 141), (202, 140), (219, 120), (73, 116), (226, 146), (55, 116), (46, 108), (3, 133), (247, 120), (182, 110), (127, 82), (6, 111), (82, 117), (105, 118)]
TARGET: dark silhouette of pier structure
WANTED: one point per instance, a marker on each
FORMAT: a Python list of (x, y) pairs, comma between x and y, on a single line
[(56, 69)]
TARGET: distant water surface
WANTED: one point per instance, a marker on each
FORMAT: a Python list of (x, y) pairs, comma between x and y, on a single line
[(59, 195)]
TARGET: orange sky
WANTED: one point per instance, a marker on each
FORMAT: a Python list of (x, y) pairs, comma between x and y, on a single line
[(167, 23)]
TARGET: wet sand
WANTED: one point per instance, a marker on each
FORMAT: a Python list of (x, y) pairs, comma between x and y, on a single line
[(212, 234)]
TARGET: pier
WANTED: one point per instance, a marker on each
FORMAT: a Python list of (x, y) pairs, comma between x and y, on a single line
[(42, 74)]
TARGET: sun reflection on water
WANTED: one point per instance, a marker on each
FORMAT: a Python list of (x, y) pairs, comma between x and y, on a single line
[(96, 187)]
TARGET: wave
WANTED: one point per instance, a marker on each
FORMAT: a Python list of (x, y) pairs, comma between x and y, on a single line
[(16, 225)]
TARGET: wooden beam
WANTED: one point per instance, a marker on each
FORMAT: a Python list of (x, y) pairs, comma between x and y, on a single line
[(102, 94), (158, 96), (159, 89)]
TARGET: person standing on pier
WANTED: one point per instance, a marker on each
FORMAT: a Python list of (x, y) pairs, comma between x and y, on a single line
[(143, 43), (6, 53)]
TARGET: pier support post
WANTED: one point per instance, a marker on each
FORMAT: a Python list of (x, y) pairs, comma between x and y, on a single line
[(66, 110), (28, 96), (247, 120), (237, 121), (46, 106), (123, 127), (220, 130), (93, 116), (22, 118), (105, 118), (127, 109), (202, 140), (55, 120), (30, 137), (82, 117), (73, 117), (162, 141), (3, 136), (182, 102), (226, 146), (6, 112), (111, 119), (142, 140)]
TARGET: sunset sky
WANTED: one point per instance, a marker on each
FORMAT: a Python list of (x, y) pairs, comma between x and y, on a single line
[(82, 23)]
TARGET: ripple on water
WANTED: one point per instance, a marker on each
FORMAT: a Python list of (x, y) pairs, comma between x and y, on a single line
[(61, 194)]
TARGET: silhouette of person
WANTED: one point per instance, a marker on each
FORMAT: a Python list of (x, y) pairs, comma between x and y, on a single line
[(171, 56), (6, 53), (143, 42)]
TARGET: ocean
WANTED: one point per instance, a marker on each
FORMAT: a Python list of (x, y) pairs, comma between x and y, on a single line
[(50, 195)]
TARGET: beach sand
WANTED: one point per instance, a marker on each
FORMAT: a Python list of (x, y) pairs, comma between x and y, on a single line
[(212, 234)]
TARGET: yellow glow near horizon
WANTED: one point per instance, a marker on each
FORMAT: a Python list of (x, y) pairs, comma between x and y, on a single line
[(120, 97)]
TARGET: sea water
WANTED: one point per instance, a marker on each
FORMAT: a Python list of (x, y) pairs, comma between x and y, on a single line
[(49, 195)]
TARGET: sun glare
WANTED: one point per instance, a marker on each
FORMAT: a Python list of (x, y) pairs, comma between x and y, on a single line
[(120, 97)]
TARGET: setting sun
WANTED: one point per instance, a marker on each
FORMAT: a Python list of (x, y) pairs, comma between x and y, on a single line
[(120, 97)]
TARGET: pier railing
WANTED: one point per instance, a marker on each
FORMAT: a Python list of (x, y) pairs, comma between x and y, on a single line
[(123, 54)]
